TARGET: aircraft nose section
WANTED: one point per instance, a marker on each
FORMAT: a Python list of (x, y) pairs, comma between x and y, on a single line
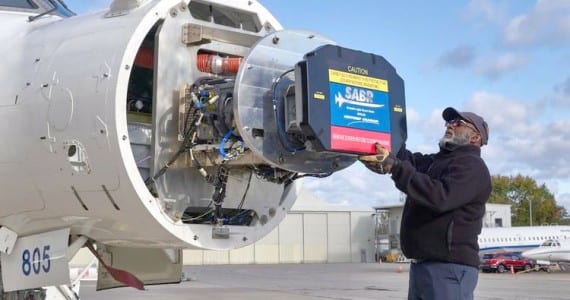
[(530, 253)]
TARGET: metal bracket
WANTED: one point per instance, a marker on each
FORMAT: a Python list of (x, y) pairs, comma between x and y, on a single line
[(195, 34)]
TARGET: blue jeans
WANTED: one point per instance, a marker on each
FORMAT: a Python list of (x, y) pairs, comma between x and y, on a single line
[(442, 281)]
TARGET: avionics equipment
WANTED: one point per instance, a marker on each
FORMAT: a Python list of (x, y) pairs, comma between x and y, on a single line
[(346, 101)]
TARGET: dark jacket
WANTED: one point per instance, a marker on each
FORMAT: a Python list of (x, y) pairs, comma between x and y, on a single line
[(446, 196)]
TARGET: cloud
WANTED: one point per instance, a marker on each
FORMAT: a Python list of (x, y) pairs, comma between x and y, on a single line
[(564, 200), (519, 143), (559, 99), (564, 87), (354, 186), (490, 10), (426, 125), (499, 111), (546, 24), (412, 116), (497, 67), (459, 57)]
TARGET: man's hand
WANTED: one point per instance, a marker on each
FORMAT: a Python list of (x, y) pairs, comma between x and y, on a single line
[(382, 162)]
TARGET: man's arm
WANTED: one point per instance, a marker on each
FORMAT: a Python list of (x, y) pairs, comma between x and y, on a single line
[(384, 161), (420, 161), (463, 180)]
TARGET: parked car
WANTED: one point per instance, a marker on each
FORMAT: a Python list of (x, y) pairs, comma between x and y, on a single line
[(502, 262)]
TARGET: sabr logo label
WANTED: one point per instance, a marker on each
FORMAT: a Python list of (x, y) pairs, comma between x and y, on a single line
[(356, 96)]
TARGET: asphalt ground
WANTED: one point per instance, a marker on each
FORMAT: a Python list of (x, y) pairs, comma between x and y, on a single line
[(327, 281)]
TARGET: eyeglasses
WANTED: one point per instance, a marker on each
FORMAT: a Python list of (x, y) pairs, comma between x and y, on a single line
[(459, 123)]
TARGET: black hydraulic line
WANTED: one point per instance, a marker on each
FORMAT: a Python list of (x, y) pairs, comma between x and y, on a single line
[(220, 182)]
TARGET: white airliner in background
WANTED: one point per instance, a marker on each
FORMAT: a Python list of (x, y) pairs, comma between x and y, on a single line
[(556, 250), (520, 238)]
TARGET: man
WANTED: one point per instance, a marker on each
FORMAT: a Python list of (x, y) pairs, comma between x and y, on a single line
[(446, 196)]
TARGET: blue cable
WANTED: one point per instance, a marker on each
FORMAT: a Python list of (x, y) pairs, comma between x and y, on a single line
[(227, 136)]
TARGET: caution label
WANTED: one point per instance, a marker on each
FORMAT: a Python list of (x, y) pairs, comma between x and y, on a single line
[(358, 80)]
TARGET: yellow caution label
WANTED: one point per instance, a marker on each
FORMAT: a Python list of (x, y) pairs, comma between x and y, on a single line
[(398, 108), (358, 80), (319, 96)]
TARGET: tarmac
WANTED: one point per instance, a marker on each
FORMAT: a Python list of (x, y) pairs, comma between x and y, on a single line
[(327, 281)]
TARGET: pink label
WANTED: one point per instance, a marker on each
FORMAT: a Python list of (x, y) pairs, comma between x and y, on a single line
[(358, 141)]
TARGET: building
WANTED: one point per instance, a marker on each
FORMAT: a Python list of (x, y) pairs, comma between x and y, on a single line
[(312, 232), (497, 215)]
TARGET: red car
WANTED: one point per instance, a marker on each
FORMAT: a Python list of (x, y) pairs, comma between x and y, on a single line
[(502, 262)]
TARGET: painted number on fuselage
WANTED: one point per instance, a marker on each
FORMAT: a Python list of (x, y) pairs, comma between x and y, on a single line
[(35, 261)]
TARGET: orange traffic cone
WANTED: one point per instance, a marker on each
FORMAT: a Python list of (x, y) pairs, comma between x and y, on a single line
[(512, 270), (399, 270)]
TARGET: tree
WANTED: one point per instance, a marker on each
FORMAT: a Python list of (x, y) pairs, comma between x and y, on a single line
[(526, 198)]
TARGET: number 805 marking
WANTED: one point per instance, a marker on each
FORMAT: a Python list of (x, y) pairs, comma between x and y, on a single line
[(35, 261)]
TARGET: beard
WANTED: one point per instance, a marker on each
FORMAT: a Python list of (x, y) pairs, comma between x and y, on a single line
[(455, 139)]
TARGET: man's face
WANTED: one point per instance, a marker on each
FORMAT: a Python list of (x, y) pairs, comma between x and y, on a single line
[(458, 132)]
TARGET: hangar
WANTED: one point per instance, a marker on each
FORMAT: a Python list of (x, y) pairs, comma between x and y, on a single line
[(312, 232)]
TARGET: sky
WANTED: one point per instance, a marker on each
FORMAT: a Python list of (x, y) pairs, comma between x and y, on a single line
[(508, 61)]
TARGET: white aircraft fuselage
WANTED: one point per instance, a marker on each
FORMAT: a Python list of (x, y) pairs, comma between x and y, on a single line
[(519, 238), (556, 250)]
